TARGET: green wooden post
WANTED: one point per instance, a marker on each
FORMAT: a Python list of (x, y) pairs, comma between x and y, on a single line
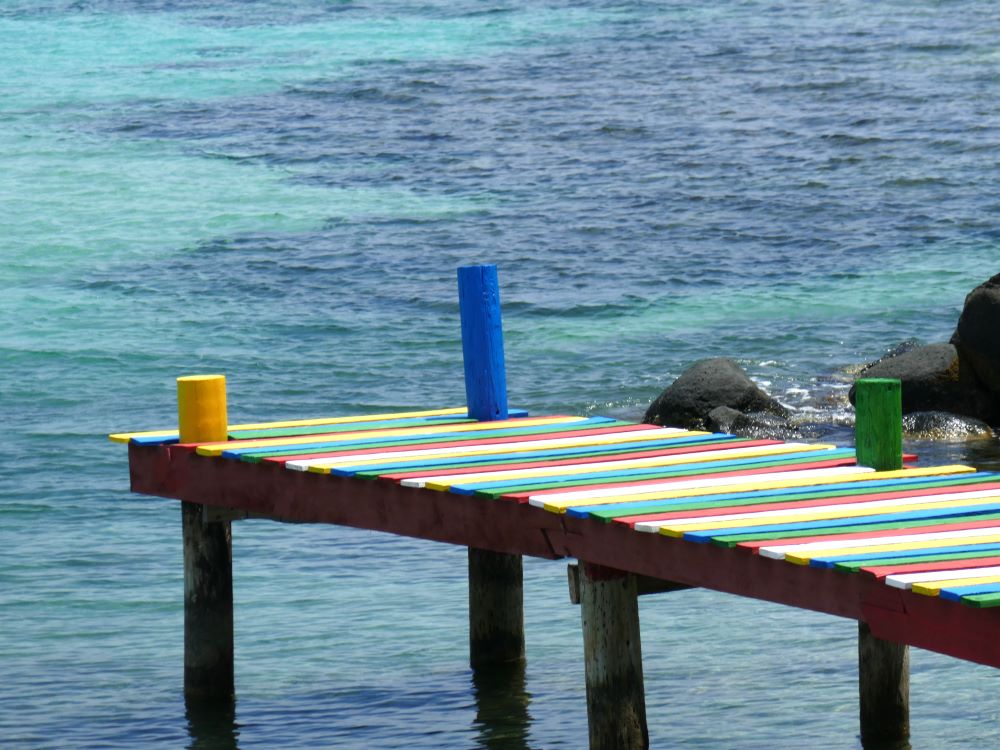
[(879, 423), (883, 666)]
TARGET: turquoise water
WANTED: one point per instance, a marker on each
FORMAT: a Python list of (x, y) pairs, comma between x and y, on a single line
[(282, 191)]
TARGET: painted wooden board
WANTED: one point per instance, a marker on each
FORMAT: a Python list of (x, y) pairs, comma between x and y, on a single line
[(558, 503), (371, 444), (444, 481), (766, 515), (961, 593), (216, 449), (857, 531), (985, 535), (545, 453), (801, 553), (936, 566), (903, 519), (384, 424), (991, 599), (751, 518), (607, 454), (630, 477), (713, 509), (748, 468), (906, 580), (667, 459), (652, 510), (303, 426), (165, 434), (966, 594), (746, 471), (903, 557), (349, 463), (933, 588)]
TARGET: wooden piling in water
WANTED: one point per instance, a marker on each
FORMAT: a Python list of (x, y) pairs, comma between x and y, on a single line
[(208, 558), (616, 700), (883, 666), (496, 591), (496, 608)]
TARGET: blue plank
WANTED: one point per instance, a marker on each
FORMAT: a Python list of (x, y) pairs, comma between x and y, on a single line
[(654, 471), (167, 440), (375, 441), (482, 342), (706, 536), (634, 508), (830, 561), (542, 455), (955, 593), (174, 437)]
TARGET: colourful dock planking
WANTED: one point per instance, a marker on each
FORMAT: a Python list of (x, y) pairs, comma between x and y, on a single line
[(809, 509)]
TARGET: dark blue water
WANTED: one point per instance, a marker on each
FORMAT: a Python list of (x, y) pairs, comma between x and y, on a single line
[(282, 191)]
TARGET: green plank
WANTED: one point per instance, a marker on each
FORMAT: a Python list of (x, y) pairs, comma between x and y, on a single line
[(327, 429), (855, 565), (609, 449), (622, 510), (278, 452), (982, 600), (734, 539), (667, 473)]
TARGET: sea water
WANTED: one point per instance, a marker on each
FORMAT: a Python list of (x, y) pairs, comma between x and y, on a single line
[(281, 191)]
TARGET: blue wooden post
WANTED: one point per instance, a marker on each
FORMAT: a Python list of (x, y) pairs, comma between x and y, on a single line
[(496, 579), (482, 342)]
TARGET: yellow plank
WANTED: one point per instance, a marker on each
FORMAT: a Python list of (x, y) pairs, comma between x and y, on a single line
[(679, 526), (416, 457), (124, 437), (556, 504), (933, 588), (803, 558), (216, 449), (443, 482)]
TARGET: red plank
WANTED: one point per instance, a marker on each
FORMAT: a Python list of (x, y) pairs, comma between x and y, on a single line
[(881, 571), (944, 526), (431, 443), (813, 503), (479, 468), (522, 497)]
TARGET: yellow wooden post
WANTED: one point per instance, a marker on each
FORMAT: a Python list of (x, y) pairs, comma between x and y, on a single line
[(208, 555), (201, 408)]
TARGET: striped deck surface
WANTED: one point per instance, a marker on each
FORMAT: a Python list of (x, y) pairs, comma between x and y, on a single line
[(932, 530)]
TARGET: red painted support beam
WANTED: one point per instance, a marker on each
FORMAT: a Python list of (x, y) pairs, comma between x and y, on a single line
[(273, 491), (893, 614)]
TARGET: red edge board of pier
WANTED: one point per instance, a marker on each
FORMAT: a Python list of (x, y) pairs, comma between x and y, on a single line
[(269, 490)]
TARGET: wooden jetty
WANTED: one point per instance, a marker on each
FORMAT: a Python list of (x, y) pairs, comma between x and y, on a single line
[(911, 553)]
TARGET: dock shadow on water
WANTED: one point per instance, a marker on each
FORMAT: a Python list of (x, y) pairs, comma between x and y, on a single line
[(212, 725), (502, 700)]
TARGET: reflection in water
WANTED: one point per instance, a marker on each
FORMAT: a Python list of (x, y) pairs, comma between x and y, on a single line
[(502, 701), (212, 725), (877, 745)]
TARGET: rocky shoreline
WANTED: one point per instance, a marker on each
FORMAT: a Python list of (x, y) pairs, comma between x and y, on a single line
[(950, 390)]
